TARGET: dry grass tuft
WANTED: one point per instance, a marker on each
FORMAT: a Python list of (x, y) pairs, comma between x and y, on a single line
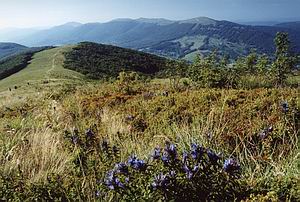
[(40, 153)]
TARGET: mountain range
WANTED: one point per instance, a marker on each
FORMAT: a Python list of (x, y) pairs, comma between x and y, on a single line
[(9, 49), (175, 39)]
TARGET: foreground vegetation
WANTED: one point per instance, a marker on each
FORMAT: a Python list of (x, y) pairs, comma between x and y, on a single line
[(181, 138), (62, 148)]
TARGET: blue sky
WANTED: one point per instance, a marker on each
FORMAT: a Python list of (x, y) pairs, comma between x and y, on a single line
[(28, 13)]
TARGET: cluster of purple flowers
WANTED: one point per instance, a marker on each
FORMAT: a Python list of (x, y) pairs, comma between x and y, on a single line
[(196, 151), (113, 182), (136, 163), (76, 140), (121, 168), (163, 181), (75, 137), (197, 154), (170, 154), (156, 153), (192, 164), (190, 172)]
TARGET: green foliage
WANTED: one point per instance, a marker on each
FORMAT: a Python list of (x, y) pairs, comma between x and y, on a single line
[(212, 72), (284, 62), (263, 64), (176, 70), (105, 61), (126, 82), (252, 71), (250, 63)]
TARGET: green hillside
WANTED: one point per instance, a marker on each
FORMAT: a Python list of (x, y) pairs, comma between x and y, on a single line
[(104, 61), (17, 62), (44, 74), (45, 66), (8, 49)]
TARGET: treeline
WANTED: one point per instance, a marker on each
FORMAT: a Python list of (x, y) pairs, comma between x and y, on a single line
[(252, 71), (99, 61), (17, 62)]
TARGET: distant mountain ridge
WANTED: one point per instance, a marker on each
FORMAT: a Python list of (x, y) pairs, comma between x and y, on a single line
[(290, 25), (9, 49), (176, 39)]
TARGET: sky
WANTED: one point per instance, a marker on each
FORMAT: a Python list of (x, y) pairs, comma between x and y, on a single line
[(43, 13)]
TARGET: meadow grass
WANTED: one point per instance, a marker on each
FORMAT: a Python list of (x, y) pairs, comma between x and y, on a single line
[(44, 73), (37, 119), (228, 121)]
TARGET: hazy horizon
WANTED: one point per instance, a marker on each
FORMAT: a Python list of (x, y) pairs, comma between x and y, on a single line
[(34, 13)]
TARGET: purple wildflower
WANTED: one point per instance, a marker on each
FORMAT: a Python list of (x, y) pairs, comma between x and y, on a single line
[(165, 158), (136, 163), (196, 151), (112, 182), (184, 157), (119, 183), (189, 173), (285, 106), (161, 181), (110, 179), (121, 168), (89, 133), (171, 150), (231, 165), (156, 153), (196, 168), (213, 157)]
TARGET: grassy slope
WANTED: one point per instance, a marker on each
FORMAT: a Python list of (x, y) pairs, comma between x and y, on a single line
[(45, 72), (233, 117)]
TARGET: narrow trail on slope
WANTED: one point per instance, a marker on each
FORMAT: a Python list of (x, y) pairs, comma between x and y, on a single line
[(53, 66), (48, 73)]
